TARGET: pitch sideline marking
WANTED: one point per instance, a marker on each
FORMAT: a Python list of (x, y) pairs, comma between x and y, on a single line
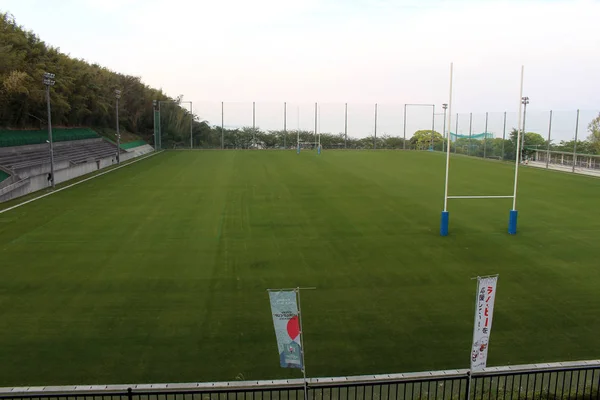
[(77, 183)]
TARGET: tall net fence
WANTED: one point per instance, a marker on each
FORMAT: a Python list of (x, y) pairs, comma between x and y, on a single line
[(260, 125)]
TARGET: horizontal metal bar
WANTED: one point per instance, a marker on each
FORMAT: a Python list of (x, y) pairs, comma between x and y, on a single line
[(480, 197), (287, 384)]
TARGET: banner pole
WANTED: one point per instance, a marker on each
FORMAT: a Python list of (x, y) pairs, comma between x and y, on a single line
[(473, 340), (302, 343)]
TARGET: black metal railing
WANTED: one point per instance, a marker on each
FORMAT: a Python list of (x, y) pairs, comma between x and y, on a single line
[(547, 382)]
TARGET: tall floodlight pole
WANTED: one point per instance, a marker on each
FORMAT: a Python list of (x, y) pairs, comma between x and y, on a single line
[(298, 130), (512, 220), (117, 97), (254, 124), (404, 141), (445, 107), (49, 81), (524, 101)]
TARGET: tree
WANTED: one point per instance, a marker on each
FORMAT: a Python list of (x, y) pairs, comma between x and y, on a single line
[(422, 139), (83, 94), (594, 137)]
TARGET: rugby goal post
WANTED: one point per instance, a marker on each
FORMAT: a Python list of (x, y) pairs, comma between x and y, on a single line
[(512, 220)]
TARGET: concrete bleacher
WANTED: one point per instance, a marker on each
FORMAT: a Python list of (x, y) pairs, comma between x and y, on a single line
[(76, 152), (28, 166)]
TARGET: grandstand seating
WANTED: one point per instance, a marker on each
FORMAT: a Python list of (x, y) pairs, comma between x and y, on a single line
[(76, 152)]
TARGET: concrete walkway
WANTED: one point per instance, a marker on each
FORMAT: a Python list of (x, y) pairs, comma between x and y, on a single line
[(565, 168)]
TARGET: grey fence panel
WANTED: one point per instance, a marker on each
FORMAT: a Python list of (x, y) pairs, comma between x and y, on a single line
[(560, 381)]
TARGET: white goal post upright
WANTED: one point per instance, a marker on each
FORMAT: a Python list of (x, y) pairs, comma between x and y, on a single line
[(512, 221), (445, 214)]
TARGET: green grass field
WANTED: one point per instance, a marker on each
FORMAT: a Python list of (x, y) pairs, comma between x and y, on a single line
[(158, 272)]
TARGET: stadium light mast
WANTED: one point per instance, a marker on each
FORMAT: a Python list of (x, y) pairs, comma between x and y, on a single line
[(49, 81), (524, 101), (445, 107), (117, 97)]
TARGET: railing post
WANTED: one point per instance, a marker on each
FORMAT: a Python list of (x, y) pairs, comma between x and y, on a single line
[(468, 392), (129, 394)]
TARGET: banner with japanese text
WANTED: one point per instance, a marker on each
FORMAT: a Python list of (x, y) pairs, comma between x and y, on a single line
[(284, 308), (486, 294)]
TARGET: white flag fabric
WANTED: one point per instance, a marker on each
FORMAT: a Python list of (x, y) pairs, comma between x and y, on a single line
[(486, 294), (287, 327)]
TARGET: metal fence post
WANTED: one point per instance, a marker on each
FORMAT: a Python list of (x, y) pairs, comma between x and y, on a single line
[(222, 126), (485, 136), (316, 116), (575, 144), (129, 394), (470, 132), (456, 133), (549, 138), (375, 130), (404, 142), (284, 123), (432, 125), (503, 135), (191, 126), (346, 127)]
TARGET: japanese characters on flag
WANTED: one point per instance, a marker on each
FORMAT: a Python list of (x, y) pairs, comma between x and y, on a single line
[(284, 309), (486, 294)]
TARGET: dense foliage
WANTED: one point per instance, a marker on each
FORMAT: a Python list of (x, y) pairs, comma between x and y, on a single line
[(83, 94)]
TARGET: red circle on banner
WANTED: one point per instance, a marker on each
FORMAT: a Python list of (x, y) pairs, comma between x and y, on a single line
[(293, 327)]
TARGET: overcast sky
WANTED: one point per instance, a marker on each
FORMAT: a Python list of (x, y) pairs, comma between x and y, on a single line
[(336, 51)]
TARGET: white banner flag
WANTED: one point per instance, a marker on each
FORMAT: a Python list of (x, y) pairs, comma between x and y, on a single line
[(287, 328), (486, 294)]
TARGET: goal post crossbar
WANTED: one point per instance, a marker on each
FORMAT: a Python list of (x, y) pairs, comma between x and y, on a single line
[(481, 197)]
